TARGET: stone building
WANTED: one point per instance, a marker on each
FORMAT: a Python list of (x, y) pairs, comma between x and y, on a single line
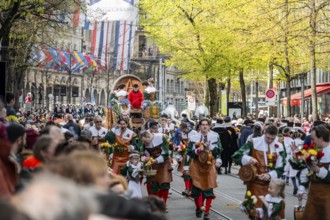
[(49, 87)]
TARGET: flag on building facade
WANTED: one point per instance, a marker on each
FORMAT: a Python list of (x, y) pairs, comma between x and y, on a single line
[(124, 41)]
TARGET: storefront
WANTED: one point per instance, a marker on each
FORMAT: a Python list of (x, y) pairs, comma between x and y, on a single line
[(323, 100)]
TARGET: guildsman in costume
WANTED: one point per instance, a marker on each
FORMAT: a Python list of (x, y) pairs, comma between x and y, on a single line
[(122, 138), (204, 151), (185, 135), (318, 201), (156, 146), (266, 158)]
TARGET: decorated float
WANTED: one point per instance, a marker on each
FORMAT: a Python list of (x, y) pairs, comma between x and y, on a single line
[(121, 108)]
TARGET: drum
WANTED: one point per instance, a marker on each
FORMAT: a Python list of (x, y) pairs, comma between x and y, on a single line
[(203, 156)]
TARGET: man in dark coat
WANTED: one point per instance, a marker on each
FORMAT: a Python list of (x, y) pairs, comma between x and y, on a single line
[(228, 138), (246, 130)]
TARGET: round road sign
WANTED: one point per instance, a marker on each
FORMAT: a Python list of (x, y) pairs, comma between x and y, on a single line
[(270, 93)]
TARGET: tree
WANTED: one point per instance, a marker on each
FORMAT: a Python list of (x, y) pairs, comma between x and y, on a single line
[(190, 33), (24, 23)]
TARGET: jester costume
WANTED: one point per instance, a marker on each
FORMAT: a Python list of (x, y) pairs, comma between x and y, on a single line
[(203, 173), (271, 160)]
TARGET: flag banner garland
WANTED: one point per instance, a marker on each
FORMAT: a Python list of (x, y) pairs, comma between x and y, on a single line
[(51, 58), (118, 31)]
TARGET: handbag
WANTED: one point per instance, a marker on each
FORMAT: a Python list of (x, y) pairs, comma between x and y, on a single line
[(298, 211)]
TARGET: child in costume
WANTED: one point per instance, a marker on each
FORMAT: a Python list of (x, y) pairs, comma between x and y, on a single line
[(273, 202), (132, 171)]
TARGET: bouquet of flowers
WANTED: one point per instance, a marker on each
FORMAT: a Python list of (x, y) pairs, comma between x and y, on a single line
[(106, 148), (272, 158), (199, 144), (117, 148), (306, 156), (182, 149), (247, 206), (147, 165)]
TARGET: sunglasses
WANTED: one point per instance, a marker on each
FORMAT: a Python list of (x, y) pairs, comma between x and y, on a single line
[(98, 122)]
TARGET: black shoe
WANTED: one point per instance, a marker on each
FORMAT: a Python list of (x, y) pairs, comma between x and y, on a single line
[(199, 213), (229, 171), (206, 216), (295, 190), (226, 170)]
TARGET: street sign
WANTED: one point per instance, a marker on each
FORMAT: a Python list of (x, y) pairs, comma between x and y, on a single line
[(270, 93), (191, 103), (270, 97)]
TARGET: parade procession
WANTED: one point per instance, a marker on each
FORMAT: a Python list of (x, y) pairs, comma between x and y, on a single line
[(164, 110)]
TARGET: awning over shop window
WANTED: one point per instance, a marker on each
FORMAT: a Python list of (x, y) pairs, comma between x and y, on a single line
[(296, 98)]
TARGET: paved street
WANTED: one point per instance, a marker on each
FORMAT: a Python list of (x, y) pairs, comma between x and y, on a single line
[(230, 193)]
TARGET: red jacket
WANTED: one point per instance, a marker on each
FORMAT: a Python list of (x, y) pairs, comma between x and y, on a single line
[(136, 99)]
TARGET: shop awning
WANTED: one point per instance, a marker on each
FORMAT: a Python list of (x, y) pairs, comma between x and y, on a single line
[(320, 89), (296, 98)]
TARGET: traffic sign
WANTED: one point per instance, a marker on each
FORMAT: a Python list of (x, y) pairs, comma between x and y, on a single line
[(191, 103), (270, 97), (270, 93)]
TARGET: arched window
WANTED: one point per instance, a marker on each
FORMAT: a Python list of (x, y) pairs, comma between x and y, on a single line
[(88, 95), (102, 100), (96, 97)]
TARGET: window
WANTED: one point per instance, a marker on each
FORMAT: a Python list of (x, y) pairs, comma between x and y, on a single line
[(57, 89), (167, 85), (63, 91), (172, 86), (75, 91)]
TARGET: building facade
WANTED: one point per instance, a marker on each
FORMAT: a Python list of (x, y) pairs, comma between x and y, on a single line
[(322, 89)]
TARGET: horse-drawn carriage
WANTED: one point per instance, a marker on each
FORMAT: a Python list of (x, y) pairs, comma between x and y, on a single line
[(122, 109)]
